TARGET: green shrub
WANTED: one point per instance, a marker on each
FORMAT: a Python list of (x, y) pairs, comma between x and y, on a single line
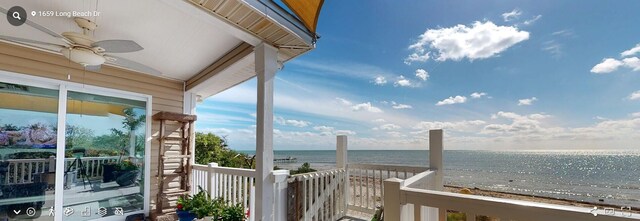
[(305, 168), (212, 148)]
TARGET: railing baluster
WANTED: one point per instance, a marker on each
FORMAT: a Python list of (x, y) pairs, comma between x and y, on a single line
[(30, 169), (305, 188)]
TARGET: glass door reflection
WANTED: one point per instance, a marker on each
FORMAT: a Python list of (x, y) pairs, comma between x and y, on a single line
[(104, 156), (28, 139)]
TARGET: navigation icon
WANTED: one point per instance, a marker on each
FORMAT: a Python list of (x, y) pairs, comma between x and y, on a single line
[(68, 211), (102, 211), (86, 211), (594, 211), (118, 211), (31, 211)]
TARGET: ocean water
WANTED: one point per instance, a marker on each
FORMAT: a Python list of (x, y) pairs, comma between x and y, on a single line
[(589, 176)]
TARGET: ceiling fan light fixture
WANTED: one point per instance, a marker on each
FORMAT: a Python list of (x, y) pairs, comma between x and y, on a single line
[(83, 56)]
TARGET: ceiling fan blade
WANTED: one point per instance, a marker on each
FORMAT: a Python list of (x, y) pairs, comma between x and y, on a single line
[(94, 68), (126, 63), (118, 46), (39, 27), (24, 40)]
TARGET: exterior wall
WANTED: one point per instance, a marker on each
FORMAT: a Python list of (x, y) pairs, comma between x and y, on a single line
[(167, 94)]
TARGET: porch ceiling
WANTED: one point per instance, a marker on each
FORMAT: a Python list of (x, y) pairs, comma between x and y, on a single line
[(177, 40)]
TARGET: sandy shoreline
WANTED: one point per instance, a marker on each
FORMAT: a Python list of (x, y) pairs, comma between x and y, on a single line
[(531, 198), (372, 200)]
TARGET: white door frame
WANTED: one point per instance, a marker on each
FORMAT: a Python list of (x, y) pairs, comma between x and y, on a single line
[(63, 87)]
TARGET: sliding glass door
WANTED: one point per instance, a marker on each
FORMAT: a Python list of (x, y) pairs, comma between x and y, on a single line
[(92, 150), (104, 156), (28, 139)]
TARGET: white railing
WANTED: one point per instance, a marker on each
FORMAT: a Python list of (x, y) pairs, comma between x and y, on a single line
[(420, 197), (25, 170), (92, 165), (413, 204), (366, 183), (234, 185), (321, 195)]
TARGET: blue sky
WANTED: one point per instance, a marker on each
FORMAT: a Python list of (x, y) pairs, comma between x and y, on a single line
[(493, 74)]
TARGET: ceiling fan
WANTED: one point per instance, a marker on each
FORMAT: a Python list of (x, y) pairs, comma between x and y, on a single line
[(84, 50)]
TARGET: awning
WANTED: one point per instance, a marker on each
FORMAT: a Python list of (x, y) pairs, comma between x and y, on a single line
[(307, 11), (50, 105)]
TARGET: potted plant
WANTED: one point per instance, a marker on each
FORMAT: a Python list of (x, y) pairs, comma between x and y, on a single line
[(127, 173), (196, 206)]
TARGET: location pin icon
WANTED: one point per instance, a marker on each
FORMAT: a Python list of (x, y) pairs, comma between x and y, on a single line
[(33, 13)]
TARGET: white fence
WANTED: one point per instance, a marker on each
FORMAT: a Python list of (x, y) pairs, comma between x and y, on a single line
[(25, 170), (322, 195), (234, 185), (366, 183)]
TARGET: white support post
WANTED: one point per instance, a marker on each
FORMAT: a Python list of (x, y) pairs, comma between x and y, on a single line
[(52, 164), (392, 204), (281, 185), (266, 65), (436, 163), (189, 107), (212, 180), (342, 163)]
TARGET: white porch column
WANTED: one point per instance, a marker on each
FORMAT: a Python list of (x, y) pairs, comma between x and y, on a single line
[(342, 162), (436, 163), (266, 65), (189, 107)]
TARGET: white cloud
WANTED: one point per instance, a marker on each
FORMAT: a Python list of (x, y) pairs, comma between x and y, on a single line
[(635, 95), (323, 128), (631, 51), (387, 127), (532, 20), (422, 74), (344, 101), (328, 131), (402, 106), (636, 114), (633, 63), (298, 123), (478, 94), (514, 14), (366, 107), (519, 123), (479, 41), (553, 47), (401, 81), (465, 125), (379, 120), (452, 100), (289, 122), (344, 132), (380, 80), (216, 131), (417, 55), (607, 65), (527, 101)]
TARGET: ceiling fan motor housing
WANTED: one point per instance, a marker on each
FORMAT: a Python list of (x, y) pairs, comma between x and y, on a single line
[(83, 56)]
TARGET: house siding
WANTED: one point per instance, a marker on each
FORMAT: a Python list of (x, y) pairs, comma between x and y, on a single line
[(167, 94)]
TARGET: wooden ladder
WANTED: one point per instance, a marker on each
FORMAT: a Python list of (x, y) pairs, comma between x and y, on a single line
[(184, 169)]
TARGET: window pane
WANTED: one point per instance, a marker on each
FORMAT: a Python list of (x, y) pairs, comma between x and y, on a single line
[(28, 138), (104, 153)]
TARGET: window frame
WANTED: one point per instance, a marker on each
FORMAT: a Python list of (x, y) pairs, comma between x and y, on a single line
[(63, 87)]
